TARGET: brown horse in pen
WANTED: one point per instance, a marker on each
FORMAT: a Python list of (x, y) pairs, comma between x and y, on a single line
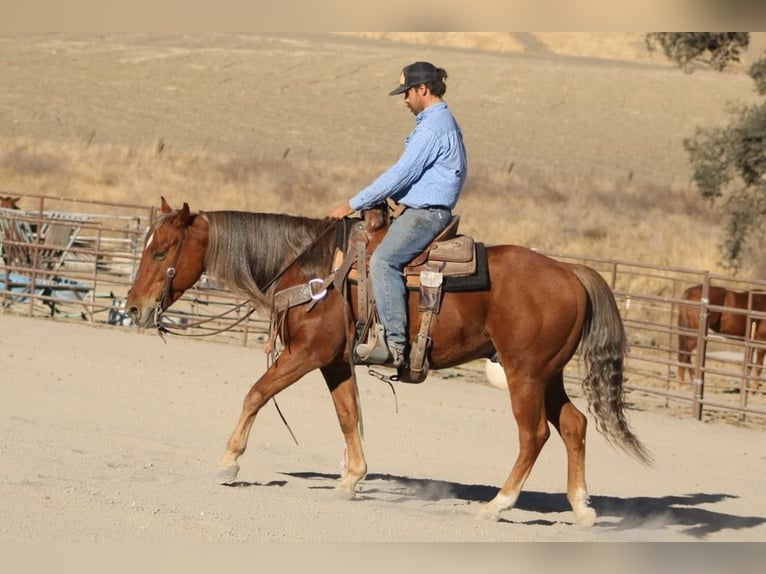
[(729, 324), (9, 202), (534, 315)]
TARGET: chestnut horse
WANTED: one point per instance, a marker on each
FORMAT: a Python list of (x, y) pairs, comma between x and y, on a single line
[(8, 202), (534, 315), (729, 324)]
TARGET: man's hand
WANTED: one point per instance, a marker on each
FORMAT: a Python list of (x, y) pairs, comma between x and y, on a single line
[(341, 211)]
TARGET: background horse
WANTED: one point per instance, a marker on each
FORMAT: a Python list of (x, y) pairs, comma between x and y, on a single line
[(534, 314), (9, 202), (12, 231), (730, 324)]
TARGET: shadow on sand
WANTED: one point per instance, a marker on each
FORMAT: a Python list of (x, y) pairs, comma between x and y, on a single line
[(634, 512)]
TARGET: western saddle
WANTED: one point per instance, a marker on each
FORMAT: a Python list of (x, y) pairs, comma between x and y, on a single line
[(448, 255)]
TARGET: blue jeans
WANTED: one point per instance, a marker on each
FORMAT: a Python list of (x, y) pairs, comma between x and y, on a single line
[(409, 235)]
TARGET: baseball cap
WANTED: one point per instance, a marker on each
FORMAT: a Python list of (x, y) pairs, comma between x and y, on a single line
[(414, 74)]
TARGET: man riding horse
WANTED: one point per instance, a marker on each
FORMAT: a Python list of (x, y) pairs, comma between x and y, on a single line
[(427, 180)]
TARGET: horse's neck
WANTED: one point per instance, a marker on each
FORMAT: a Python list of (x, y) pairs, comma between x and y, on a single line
[(253, 252)]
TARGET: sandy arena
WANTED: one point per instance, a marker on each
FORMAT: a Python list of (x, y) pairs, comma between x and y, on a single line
[(111, 435)]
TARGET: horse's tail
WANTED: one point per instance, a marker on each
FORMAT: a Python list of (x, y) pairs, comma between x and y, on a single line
[(603, 347)]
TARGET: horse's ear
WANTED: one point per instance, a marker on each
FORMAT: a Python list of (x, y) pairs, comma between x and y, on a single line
[(186, 216), (164, 205)]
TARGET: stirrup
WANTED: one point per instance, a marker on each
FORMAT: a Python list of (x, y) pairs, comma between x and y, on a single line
[(374, 350), (378, 354)]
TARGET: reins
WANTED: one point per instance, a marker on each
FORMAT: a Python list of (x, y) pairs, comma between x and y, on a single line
[(172, 329)]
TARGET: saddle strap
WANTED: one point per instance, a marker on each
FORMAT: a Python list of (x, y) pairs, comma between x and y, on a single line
[(418, 364), (341, 273), (431, 283), (292, 296), (359, 241)]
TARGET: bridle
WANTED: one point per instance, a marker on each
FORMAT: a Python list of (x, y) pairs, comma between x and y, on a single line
[(166, 295), (165, 298)]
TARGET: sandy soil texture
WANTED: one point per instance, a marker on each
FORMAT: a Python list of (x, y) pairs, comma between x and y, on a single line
[(111, 435)]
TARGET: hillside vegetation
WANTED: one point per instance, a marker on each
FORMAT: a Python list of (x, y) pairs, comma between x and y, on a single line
[(574, 140)]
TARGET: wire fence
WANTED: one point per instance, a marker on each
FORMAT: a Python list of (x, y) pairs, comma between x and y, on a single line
[(74, 260)]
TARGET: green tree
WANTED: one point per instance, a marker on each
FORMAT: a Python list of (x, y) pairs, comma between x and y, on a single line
[(729, 162)]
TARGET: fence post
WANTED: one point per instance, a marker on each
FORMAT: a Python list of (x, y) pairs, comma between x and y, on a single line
[(33, 272), (698, 386), (750, 362), (95, 276)]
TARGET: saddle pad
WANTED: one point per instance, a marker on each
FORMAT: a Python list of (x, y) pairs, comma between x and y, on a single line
[(476, 281)]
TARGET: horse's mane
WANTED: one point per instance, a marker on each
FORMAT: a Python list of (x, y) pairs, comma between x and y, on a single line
[(248, 251)]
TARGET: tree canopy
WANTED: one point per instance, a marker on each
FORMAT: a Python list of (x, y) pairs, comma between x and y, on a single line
[(728, 162), (714, 49)]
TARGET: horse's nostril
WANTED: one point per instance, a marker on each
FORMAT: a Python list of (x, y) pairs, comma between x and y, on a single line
[(133, 312)]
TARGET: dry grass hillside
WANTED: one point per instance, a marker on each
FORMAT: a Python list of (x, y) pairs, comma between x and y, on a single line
[(574, 140)]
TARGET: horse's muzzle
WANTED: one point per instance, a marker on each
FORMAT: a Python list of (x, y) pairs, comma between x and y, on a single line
[(142, 318)]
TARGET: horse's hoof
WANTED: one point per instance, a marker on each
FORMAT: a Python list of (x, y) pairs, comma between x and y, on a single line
[(586, 517), (227, 474), (346, 491), (488, 513)]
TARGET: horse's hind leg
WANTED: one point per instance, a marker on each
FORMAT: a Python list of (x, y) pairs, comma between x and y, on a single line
[(529, 411), (759, 354), (343, 392), (571, 425), (686, 345)]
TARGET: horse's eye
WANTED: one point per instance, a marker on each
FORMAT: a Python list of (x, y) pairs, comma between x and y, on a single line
[(159, 255)]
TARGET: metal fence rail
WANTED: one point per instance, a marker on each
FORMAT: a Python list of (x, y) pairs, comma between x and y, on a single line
[(90, 279), (93, 272), (723, 369)]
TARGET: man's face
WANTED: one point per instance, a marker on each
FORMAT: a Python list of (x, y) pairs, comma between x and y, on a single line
[(414, 98)]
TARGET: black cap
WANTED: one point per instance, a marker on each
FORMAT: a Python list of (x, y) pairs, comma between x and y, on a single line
[(414, 74)]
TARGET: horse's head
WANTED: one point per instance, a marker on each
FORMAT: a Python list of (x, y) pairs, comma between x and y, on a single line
[(9, 202), (172, 261)]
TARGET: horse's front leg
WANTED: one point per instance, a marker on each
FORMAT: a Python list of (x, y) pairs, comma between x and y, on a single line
[(343, 390), (287, 369)]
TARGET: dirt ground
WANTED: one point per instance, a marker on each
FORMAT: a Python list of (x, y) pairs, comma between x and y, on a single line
[(112, 436)]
